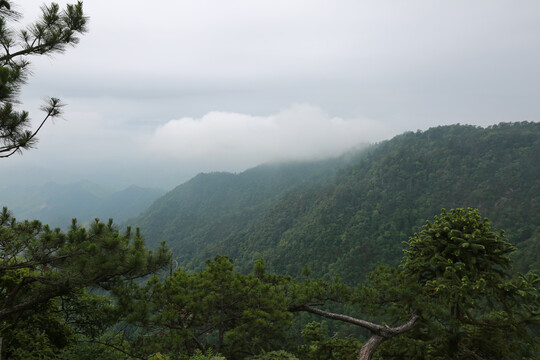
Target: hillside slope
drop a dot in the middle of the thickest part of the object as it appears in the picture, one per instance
(349, 222)
(362, 218)
(211, 207)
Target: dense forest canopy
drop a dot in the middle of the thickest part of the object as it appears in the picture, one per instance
(454, 293)
(353, 214)
(261, 259)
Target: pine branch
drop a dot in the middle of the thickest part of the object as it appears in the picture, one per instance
(53, 109)
(32, 264)
(44, 297)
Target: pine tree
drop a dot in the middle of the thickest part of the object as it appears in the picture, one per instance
(214, 311)
(454, 296)
(50, 34)
(58, 263)
(473, 306)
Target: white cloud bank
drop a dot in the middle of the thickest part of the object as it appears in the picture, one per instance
(238, 141)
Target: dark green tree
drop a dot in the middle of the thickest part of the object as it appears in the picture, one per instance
(472, 305)
(454, 295)
(214, 311)
(321, 347)
(44, 270)
(276, 355)
(50, 34)
(320, 297)
(61, 328)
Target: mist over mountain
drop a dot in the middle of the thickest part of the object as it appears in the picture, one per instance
(345, 217)
(286, 178)
(341, 215)
(214, 205)
(324, 224)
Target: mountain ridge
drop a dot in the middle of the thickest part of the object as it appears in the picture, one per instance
(348, 219)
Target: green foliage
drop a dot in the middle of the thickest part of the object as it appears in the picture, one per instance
(471, 304)
(458, 257)
(83, 349)
(196, 216)
(456, 275)
(50, 34)
(39, 334)
(198, 355)
(361, 219)
(61, 328)
(233, 314)
(44, 274)
(276, 355)
(159, 356)
(319, 347)
(59, 263)
(88, 314)
(359, 213)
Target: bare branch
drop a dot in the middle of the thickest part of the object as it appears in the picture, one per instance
(379, 333)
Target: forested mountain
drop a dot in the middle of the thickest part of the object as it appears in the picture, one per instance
(56, 204)
(211, 207)
(93, 290)
(344, 217)
(454, 294)
(362, 217)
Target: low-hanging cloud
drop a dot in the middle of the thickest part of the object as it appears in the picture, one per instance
(237, 141)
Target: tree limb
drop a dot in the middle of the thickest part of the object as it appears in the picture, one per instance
(379, 333)
(52, 110)
(32, 264)
(61, 290)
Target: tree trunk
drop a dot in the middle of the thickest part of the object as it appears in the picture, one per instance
(367, 351)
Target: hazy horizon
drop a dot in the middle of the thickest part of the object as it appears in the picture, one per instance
(158, 93)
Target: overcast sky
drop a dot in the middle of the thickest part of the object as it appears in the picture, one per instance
(159, 91)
